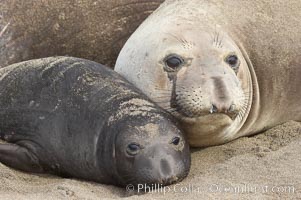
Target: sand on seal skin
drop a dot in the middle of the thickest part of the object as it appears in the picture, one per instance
(265, 166)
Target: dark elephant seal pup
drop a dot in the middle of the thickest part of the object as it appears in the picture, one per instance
(224, 68)
(76, 118)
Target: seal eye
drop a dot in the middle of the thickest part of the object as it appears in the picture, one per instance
(133, 149)
(175, 141)
(173, 62)
(233, 61)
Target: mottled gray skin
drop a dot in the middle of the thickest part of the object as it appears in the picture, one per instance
(217, 101)
(91, 29)
(76, 118)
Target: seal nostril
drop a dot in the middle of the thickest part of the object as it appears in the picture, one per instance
(232, 108)
(213, 109)
(165, 168)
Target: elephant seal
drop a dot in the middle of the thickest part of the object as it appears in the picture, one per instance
(76, 118)
(225, 69)
(91, 29)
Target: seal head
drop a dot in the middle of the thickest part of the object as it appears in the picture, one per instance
(148, 147)
(152, 153)
(199, 74)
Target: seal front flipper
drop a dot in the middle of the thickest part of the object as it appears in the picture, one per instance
(20, 158)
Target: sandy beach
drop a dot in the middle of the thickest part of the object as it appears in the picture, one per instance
(265, 166)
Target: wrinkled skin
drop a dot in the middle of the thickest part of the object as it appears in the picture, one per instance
(91, 29)
(76, 118)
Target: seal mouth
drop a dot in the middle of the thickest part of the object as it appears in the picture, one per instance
(192, 110)
(187, 115)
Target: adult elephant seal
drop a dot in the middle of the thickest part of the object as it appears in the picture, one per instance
(224, 68)
(91, 29)
(77, 118)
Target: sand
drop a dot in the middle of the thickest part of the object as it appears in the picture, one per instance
(265, 166)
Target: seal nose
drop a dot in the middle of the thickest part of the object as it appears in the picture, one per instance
(221, 98)
(164, 168)
(167, 175)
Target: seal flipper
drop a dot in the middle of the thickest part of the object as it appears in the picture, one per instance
(19, 158)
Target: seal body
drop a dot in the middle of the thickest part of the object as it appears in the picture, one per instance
(77, 118)
(91, 29)
(225, 69)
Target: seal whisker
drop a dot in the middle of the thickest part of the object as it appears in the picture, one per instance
(4, 29)
(157, 89)
(172, 110)
(162, 97)
(164, 92)
(217, 39)
(162, 100)
(181, 40)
